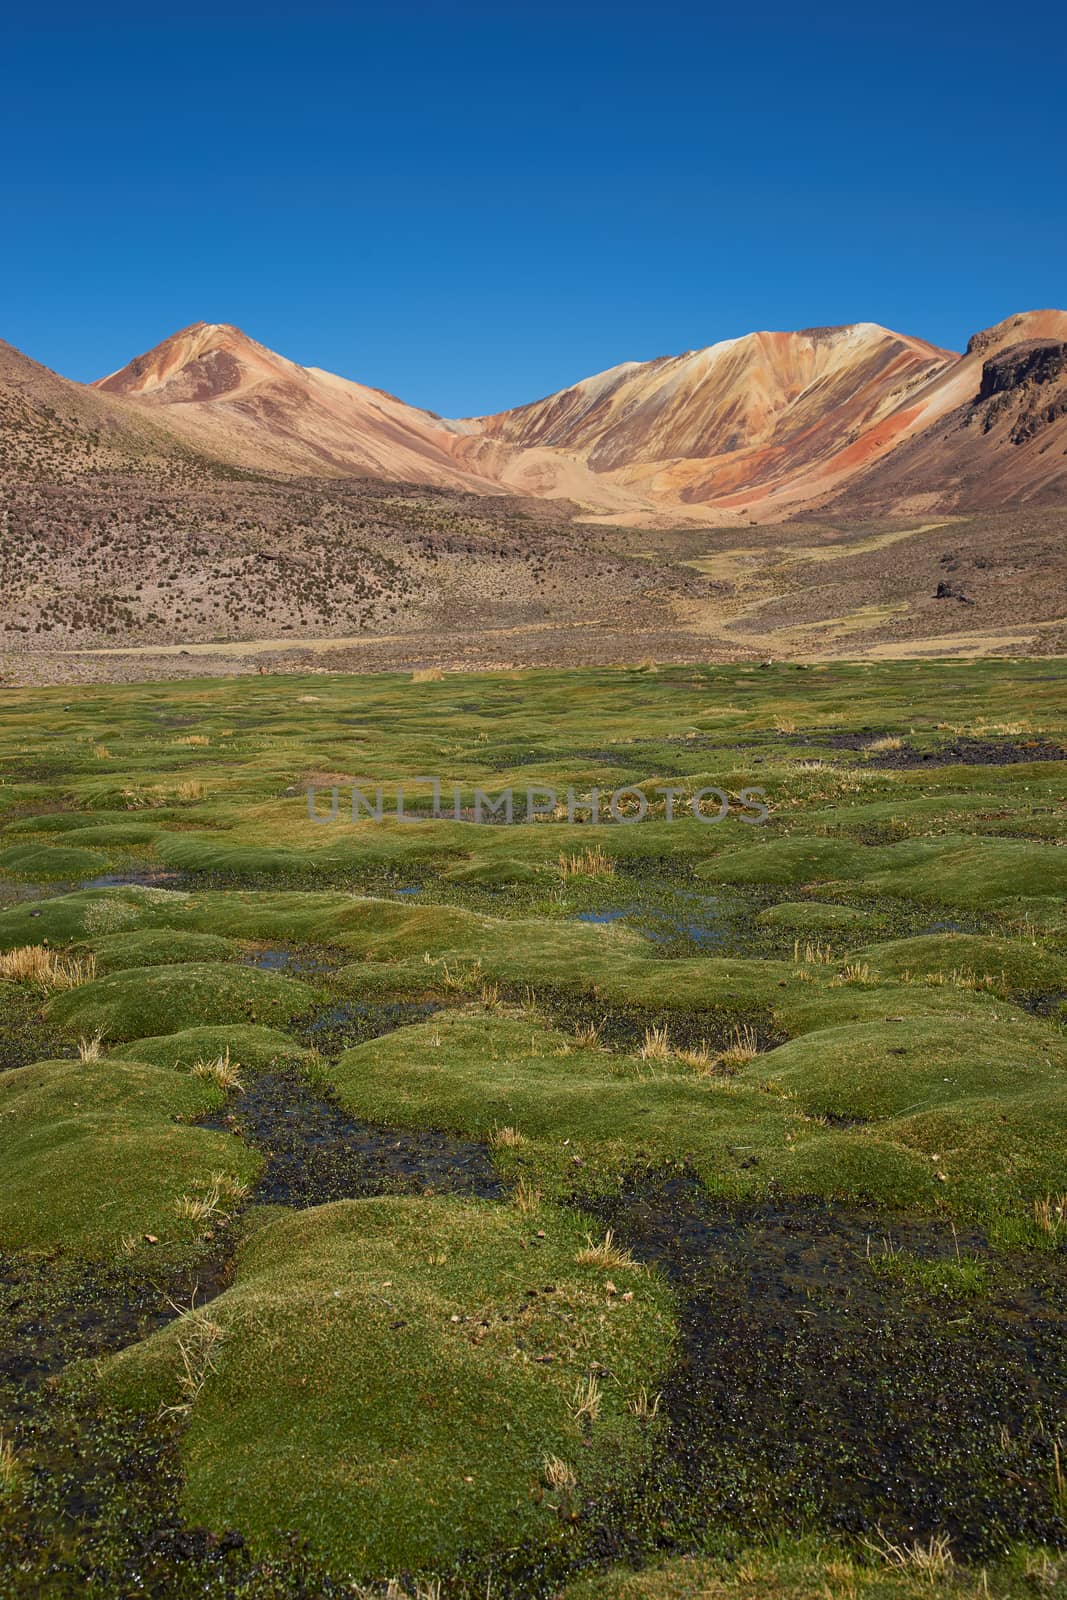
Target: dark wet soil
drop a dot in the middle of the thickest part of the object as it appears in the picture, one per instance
(26, 1035)
(317, 1153)
(346, 1023)
(624, 1028)
(960, 753)
(53, 1313)
(807, 1385)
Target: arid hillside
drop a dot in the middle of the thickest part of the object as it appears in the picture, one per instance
(756, 429)
(135, 540)
(766, 422)
(1000, 438)
(233, 398)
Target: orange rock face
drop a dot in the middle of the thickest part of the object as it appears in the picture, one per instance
(759, 427)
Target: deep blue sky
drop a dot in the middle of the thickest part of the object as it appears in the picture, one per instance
(472, 205)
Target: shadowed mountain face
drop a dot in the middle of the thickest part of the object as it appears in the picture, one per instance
(757, 428)
(1000, 434)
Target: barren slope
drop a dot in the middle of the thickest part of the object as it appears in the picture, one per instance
(999, 437)
(53, 431)
(752, 429)
(769, 417)
(236, 399)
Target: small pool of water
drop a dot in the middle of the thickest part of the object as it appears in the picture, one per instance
(683, 919)
(275, 958)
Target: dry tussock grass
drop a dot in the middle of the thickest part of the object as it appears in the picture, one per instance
(743, 1048)
(932, 1559)
(559, 1474)
(527, 1197)
(657, 1045)
(221, 1071)
(36, 963)
(505, 1137)
(890, 742)
(1050, 1215)
(592, 862)
(605, 1254)
(209, 1207)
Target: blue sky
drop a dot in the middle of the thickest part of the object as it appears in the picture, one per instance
(473, 205)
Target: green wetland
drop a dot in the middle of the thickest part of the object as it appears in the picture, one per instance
(641, 1210)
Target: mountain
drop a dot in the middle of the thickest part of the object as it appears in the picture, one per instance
(53, 431)
(213, 499)
(759, 428)
(998, 430)
(128, 522)
(233, 398)
(771, 420)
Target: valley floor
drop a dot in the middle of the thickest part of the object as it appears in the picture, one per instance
(379, 581)
(643, 1210)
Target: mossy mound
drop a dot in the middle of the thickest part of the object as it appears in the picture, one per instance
(45, 863)
(996, 1154)
(587, 1116)
(429, 1363)
(93, 1156)
(501, 871)
(249, 1046)
(201, 852)
(789, 861)
(113, 835)
(977, 872)
(145, 1001)
(59, 821)
(61, 919)
(1017, 965)
(157, 947)
(955, 870)
(865, 1071)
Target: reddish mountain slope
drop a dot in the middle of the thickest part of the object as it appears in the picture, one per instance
(765, 416)
(238, 400)
(756, 428)
(1000, 434)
